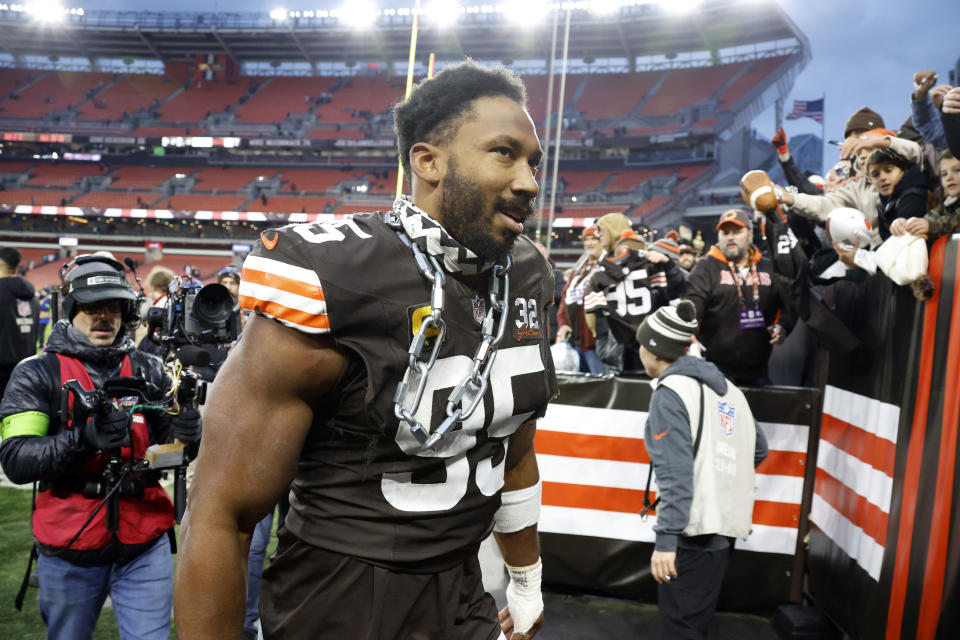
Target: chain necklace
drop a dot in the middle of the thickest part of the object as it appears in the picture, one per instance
(469, 392)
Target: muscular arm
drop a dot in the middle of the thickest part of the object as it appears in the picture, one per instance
(260, 410)
(521, 548)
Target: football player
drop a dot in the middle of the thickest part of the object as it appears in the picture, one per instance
(629, 285)
(391, 378)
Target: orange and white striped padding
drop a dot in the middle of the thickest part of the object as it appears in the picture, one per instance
(293, 295)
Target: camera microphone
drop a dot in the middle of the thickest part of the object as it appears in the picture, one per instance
(193, 355)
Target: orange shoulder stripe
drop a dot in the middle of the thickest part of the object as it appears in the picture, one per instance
(297, 287)
(282, 312)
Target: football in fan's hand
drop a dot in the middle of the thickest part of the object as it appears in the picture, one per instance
(758, 191)
(847, 227)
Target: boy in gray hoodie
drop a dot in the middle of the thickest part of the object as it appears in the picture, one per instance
(704, 445)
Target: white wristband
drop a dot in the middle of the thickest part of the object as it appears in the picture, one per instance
(518, 509)
(524, 595)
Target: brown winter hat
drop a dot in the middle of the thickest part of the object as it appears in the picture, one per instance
(865, 118)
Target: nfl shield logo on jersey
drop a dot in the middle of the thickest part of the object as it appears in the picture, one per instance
(23, 308)
(727, 412)
(479, 309)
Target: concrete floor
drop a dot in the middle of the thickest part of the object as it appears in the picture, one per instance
(579, 617)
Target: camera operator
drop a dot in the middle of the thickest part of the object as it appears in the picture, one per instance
(87, 551)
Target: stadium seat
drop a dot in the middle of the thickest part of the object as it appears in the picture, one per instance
(684, 87)
(362, 94)
(62, 174)
(626, 181)
(228, 179)
(129, 94)
(56, 90)
(106, 199)
(201, 99)
(609, 95)
(144, 177)
(37, 197)
(191, 202)
(282, 96)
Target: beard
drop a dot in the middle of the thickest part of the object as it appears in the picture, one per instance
(733, 253)
(463, 207)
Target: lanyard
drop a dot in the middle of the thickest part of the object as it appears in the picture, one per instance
(756, 285)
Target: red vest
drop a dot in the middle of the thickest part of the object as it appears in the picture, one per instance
(59, 513)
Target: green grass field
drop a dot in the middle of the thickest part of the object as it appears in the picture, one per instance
(15, 541)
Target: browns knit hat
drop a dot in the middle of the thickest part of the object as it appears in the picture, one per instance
(668, 331)
(863, 120)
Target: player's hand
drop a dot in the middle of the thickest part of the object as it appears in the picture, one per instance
(898, 227)
(506, 626)
(777, 334)
(951, 101)
(916, 226)
(663, 566)
(563, 333)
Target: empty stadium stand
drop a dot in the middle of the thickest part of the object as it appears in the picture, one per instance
(294, 204)
(143, 177)
(37, 197)
(189, 202)
(106, 200)
(201, 98)
(129, 94)
(361, 96)
(228, 179)
(54, 91)
(626, 181)
(63, 174)
(609, 95)
(684, 87)
(283, 96)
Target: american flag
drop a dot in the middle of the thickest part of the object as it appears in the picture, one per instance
(807, 109)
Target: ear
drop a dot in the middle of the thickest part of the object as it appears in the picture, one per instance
(426, 162)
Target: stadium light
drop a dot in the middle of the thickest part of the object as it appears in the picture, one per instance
(682, 6)
(279, 14)
(605, 7)
(443, 14)
(358, 14)
(524, 13)
(45, 10)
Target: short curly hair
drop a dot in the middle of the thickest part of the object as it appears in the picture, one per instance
(436, 105)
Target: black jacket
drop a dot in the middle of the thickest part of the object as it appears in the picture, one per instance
(741, 354)
(908, 200)
(951, 128)
(32, 387)
(19, 320)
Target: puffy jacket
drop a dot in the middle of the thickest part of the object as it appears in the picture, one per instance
(19, 320)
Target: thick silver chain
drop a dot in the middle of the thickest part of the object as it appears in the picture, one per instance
(470, 391)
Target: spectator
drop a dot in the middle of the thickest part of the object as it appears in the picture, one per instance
(610, 227)
(158, 282)
(794, 174)
(945, 218)
(858, 194)
(687, 259)
(629, 285)
(950, 118)
(19, 315)
(574, 324)
(559, 284)
(838, 176)
(737, 328)
(705, 482)
(901, 186)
